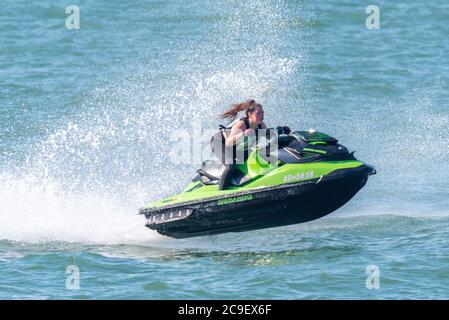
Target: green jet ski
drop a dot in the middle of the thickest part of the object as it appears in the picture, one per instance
(313, 175)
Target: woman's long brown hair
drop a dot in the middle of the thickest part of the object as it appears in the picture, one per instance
(247, 106)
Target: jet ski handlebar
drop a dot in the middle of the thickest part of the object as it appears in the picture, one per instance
(283, 130)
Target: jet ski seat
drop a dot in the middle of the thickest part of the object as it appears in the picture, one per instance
(212, 170)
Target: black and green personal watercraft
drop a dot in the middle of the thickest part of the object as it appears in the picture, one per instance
(312, 176)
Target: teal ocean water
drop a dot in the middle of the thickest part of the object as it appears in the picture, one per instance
(86, 125)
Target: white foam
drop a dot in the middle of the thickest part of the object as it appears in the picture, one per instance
(32, 211)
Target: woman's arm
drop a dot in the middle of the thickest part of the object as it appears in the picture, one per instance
(238, 131)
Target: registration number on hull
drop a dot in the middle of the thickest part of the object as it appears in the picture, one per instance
(299, 176)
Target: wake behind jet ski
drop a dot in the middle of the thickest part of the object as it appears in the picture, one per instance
(313, 175)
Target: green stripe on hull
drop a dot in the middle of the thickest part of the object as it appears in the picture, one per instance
(287, 173)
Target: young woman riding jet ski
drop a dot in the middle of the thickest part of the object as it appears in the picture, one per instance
(312, 175)
(245, 128)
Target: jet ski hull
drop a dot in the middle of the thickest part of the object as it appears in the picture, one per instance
(259, 208)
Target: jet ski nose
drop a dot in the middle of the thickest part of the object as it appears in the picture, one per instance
(371, 169)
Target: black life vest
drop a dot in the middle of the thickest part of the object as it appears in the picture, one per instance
(218, 142)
